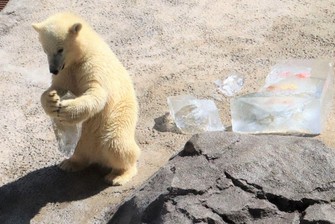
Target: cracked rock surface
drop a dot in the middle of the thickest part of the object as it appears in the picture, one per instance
(230, 178)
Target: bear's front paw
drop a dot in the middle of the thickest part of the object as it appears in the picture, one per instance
(69, 112)
(51, 103)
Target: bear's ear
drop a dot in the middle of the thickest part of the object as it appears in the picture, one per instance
(36, 26)
(75, 28)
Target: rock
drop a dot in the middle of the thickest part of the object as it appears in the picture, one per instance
(320, 213)
(224, 177)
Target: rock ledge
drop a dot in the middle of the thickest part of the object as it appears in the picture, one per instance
(229, 178)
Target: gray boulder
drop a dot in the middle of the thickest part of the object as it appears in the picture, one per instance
(230, 178)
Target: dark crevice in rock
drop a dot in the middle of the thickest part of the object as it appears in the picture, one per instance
(301, 216)
(211, 221)
(325, 187)
(258, 213)
(315, 222)
(208, 220)
(244, 185)
(224, 217)
(187, 214)
(282, 203)
(287, 205)
(210, 158)
(180, 192)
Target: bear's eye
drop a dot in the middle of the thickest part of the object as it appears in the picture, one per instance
(60, 51)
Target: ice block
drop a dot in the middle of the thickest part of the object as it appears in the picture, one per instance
(193, 116)
(67, 135)
(231, 85)
(295, 99)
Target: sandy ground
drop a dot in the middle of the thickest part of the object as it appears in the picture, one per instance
(170, 47)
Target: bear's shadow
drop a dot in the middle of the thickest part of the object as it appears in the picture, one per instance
(22, 199)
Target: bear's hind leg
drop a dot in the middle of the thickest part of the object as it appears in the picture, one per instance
(123, 156)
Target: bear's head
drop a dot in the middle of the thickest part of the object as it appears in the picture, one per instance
(59, 36)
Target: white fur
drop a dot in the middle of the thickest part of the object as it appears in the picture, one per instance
(105, 102)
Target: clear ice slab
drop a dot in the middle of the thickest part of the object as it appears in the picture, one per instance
(295, 99)
(231, 85)
(193, 116)
(67, 135)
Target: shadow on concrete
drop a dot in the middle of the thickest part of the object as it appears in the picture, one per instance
(22, 199)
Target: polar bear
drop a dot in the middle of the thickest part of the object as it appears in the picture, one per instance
(82, 63)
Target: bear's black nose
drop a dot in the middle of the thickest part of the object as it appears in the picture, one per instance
(53, 71)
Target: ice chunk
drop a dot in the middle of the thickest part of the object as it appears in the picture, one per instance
(295, 99)
(286, 69)
(231, 85)
(267, 113)
(193, 116)
(66, 135)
